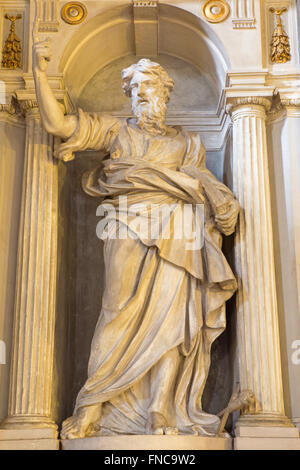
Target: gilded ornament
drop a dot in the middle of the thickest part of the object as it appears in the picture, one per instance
(280, 46)
(12, 48)
(215, 11)
(74, 13)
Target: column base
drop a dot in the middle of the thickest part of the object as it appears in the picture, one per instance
(266, 443)
(29, 439)
(28, 422)
(296, 422)
(28, 432)
(266, 432)
(266, 420)
(148, 442)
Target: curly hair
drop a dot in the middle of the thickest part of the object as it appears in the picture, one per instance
(154, 71)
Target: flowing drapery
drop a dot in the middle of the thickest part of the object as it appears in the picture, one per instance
(158, 295)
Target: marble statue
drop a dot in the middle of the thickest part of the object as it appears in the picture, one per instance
(163, 305)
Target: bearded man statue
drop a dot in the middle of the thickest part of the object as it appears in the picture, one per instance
(163, 304)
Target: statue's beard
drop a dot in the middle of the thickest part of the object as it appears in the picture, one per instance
(151, 115)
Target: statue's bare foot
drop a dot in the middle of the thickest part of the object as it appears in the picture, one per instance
(159, 425)
(82, 424)
(225, 434)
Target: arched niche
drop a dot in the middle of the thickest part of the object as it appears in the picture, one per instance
(91, 65)
(110, 36)
(193, 90)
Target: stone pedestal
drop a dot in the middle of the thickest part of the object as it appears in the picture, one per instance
(28, 439)
(266, 438)
(148, 443)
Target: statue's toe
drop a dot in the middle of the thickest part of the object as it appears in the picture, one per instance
(159, 430)
(72, 428)
(93, 429)
(171, 431)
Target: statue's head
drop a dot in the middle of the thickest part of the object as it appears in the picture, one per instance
(149, 87)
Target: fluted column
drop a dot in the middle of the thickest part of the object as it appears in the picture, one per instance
(33, 340)
(257, 316)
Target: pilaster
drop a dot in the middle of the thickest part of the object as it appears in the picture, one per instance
(29, 419)
(257, 314)
(283, 136)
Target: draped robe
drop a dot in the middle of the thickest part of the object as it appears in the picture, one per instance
(158, 295)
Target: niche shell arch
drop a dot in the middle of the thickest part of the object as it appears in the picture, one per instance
(110, 36)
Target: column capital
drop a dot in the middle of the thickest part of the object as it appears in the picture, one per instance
(8, 108)
(10, 112)
(291, 104)
(19, 107)
(243, 103)
(57, 86)
(29, 106)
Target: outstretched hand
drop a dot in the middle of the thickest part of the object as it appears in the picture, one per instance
(41, 54)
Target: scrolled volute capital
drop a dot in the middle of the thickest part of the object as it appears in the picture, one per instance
(238, 103)
(290, 102)
(10, 106)
(7, 108)
(29, 106)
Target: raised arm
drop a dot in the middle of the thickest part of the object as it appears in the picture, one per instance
(54, 120)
